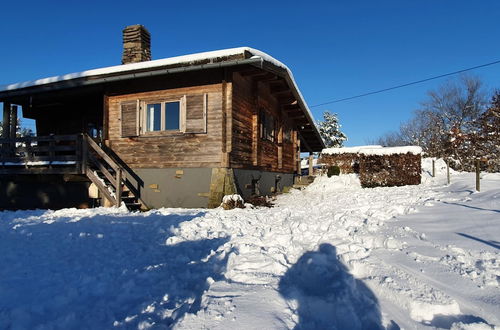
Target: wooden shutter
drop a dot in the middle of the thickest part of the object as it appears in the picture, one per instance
(196, 113)
(129, 118)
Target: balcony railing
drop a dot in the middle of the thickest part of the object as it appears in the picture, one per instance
(53, 154)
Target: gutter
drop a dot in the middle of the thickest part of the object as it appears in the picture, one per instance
(86, 81)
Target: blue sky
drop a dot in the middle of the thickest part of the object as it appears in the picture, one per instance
(335, 49)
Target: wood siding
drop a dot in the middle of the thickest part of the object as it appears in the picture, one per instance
(249, 150)
(171, 149)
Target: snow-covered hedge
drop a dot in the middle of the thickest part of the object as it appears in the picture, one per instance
(390, 170)
(376, 165)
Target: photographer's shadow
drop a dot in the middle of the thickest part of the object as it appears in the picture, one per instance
(328, 297)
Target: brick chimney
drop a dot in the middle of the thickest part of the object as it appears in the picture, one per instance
(136, 44)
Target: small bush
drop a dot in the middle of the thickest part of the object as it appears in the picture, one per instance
(230, 202)
(333, 170)
(260, 201)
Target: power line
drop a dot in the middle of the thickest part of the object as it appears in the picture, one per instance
(404, 85)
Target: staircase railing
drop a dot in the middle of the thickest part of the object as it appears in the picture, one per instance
(101, 161)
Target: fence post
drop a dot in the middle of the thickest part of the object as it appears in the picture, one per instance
(478, 171)
(433, 168)
(448, 170)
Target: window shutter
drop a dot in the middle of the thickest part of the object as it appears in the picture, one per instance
(129, 118)
(196, 113)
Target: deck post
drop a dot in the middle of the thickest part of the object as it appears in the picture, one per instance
(5, 128)
(83, 154)
(311, 167)
(6, 120)
(118, 187)
(13, 122)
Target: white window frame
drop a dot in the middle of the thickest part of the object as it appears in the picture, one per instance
(144, 115)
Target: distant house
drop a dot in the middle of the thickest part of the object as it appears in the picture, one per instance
(174, 132)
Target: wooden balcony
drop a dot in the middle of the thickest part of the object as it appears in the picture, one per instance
(54, 154)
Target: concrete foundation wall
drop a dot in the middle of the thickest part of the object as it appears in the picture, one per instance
(260, 182)
(191, 187)
(175, 187)
(22, 192)
(166, 187)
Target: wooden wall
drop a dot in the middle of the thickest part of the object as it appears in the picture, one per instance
(248, 149)
(174, 149)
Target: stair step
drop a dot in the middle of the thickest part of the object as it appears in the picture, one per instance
(133, 206)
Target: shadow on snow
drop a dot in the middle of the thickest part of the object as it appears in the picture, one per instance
(494, 244)
(328, 297)
(102, 271)
(446, 321)
(472, 207)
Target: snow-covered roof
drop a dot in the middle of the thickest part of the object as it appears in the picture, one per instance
(374, 150)
(155, 64)
(415, 150)
(231, 56)
(347, 150)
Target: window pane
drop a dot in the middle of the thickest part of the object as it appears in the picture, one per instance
(262, 124)
(153, 120)
(269, 128)
(172, 115)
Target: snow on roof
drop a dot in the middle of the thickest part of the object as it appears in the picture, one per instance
(415, 150)
(374, 150)
(347, 150)
(145, 65)
(158, 64)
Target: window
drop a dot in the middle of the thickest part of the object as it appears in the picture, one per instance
(186, 114)
(267, 126)
(164, 116)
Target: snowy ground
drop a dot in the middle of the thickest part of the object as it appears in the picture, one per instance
(333, 256)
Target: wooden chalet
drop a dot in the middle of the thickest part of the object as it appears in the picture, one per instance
(174, 132)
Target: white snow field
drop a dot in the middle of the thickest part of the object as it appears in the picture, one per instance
(332, 256)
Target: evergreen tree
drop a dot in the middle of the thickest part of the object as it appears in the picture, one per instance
(329, 129)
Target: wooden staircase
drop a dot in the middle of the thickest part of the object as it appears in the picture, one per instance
(108, 175)
(71, 154)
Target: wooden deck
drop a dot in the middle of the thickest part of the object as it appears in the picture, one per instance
(54, 154)
(68, 154)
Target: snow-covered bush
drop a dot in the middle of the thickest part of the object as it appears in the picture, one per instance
(230, 202)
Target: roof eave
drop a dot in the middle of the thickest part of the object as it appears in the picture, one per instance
(87, 81)
(285, 73)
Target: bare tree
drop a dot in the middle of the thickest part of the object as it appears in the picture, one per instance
(445, 121)
(487, 137)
